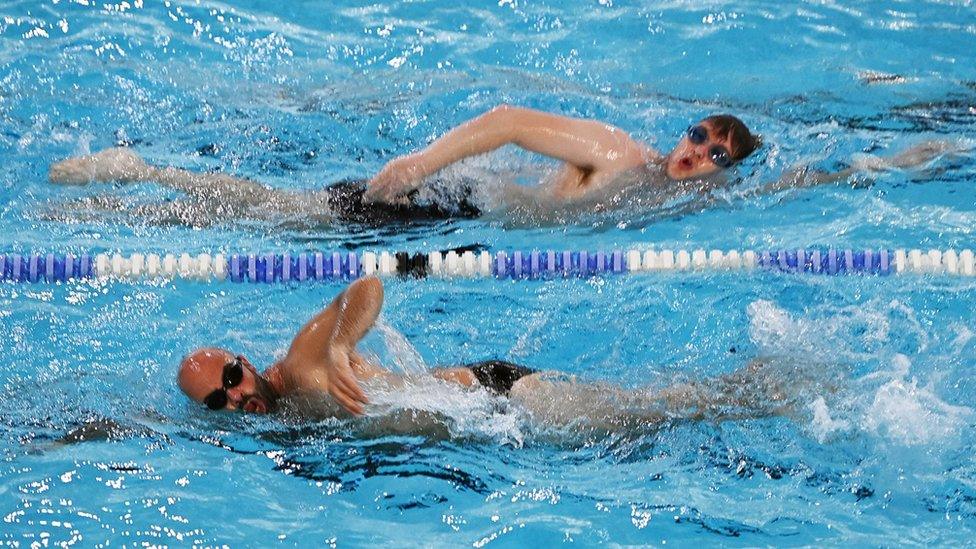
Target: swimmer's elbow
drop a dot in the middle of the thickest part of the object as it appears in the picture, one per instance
(374, 286)
(367, 293)
(502, 118)
(502, 110)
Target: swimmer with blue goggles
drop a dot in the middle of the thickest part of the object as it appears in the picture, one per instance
(596, 158)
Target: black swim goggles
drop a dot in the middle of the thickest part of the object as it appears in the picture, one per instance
(718, 153)
(232, 376)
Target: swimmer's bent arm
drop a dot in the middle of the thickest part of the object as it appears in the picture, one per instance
(322, 355)
(588, 145)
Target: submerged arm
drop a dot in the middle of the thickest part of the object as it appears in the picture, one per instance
(321, 353)
(586, 144)
(804, 176)
(912, 157)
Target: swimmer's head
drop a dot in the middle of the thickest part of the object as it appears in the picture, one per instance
(712, 145)
(224, 381)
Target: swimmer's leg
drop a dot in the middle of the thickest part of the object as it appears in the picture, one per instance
(751, 392)
(558, 400)
(461, 376)
(756, 391)
(98, 208)
(766, 387)
(116, 165)
(121, 165)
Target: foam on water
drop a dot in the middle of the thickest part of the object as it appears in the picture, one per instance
(468, 414)
(892, 405)
(879, 450)
(905, 412)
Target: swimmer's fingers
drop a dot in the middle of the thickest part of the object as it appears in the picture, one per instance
(381, 187)
(377, 190)
(340, 371)
(345, 387)
(346, 395)
(396, 179)
(347, 383)
(385, 190)
(350, 404)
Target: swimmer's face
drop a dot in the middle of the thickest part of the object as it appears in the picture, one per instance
(699, 154)
(223, 381)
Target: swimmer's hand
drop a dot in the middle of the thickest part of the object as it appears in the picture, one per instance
(924, 152)
(344, 386)
(333, 375)
(108, 166)
(396, 179)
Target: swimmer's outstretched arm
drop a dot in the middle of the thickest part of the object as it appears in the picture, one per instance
(804, 176)
(323, 354)
(586, 145)
(912, 157)
(122, 165)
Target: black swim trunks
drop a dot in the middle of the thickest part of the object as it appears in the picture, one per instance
(347, 204)
(498, 376)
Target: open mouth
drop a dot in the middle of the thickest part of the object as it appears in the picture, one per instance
(685, 163)
(256, 405)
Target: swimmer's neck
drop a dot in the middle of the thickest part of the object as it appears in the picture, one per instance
(273, 376)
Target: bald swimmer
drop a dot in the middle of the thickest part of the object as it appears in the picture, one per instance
(322, 359)
(322, 363)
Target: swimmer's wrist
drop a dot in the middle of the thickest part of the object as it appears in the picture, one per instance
(338, 351)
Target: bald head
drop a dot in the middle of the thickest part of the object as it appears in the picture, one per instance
(201, 371)
(230, 381)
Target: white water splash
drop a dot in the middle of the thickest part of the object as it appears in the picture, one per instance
(400, 351)
(465, 412)
(855, 332)
(890, 404)
(904, 412)
(822, 425)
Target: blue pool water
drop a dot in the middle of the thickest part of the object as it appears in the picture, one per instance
(309, 93)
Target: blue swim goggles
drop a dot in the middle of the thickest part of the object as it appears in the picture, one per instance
(718, 153)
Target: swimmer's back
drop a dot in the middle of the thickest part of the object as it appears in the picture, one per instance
(348, 206)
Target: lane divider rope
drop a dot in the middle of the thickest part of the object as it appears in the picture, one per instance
(518, 265)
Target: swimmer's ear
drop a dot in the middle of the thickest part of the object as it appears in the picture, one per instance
(759, 154)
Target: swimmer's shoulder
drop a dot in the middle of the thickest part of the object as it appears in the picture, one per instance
(650, 154)
(644, 164)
